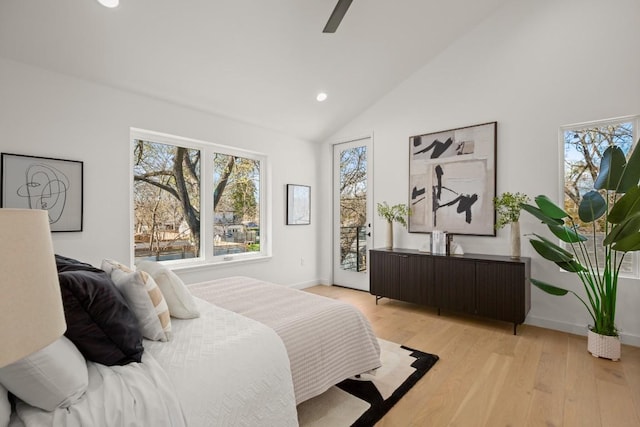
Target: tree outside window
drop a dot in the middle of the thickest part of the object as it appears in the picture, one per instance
(236, 204)
(353, 208)
(166, 191)
(583, 149)
(167, 188)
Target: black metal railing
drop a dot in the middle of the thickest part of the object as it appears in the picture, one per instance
(353, 248)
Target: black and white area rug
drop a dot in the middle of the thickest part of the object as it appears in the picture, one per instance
(364, 401)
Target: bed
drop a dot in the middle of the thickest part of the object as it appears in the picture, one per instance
(228, 352)
(140, 350)
(206, 375)
(327, 340)
(212, 364)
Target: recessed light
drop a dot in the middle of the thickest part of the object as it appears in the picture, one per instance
(109, 3)
(321, 96)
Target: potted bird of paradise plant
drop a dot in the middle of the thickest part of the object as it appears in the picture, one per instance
(614, 201)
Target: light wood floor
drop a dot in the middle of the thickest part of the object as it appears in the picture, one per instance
(486, 376)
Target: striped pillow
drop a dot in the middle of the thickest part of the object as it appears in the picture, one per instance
(109, 265)
(179, 299)
(144, 298)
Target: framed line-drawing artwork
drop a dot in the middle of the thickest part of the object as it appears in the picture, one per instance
(452, 180)
(55, 185)
(298, 204)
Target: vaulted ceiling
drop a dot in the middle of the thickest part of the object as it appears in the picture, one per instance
(259, 61)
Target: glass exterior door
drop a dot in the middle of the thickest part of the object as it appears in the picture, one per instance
(352, 213)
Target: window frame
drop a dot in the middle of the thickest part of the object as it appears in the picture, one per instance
(208, 149)
(635, 120)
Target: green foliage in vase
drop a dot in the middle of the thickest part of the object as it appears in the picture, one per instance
(396, 213)
(508, 207)
(614, 198)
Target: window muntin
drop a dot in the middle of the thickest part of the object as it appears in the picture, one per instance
(177, 181)
(583, 147)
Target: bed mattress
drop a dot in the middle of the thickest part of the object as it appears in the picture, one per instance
(327, 340)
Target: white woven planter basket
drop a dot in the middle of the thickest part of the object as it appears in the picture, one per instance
(603, 346)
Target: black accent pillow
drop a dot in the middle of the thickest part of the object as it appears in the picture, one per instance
(69, 264)
(99, 321)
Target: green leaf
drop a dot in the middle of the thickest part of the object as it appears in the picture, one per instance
(508, 206)
(393, 213)
(628, 244)
(541, 215)
(550, 289)
(566, 234)
(592, 206)
(572, 267)
(631, 175)
(550, 251)
(628, 204)
(549, 208)
(621, 231)
(611, 167)
(554, 246)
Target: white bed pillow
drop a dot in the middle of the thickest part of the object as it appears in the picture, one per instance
(54, 377)
(179, 299)
(144, 298)
(5, 407)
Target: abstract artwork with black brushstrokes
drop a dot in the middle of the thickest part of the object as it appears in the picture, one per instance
(452, 180)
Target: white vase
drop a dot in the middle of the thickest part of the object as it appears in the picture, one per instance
(604, 346)
(515, 240)
(389, 244)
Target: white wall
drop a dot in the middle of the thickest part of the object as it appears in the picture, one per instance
(51, 115)
(533, 66)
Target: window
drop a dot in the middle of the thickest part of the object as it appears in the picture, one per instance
(353, 208)
(583, 146)
(166, 200)
(236, 204)
(196, 201)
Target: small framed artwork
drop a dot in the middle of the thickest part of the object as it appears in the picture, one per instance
(298, 204)
(452, 181)
(54, 185)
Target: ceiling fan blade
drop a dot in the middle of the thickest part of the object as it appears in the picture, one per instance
(336, 16)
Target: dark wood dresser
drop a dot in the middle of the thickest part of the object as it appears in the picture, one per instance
(491, 286)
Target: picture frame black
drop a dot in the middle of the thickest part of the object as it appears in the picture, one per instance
(298, 204)
(54, 185)
(452, 180)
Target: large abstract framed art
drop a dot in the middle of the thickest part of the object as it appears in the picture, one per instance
(452, 181)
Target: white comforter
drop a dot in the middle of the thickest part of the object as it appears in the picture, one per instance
(137, 394)
(221, 369)
(228, 370)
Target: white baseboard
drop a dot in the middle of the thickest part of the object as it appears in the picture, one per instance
(571, 328)
(304, 285)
